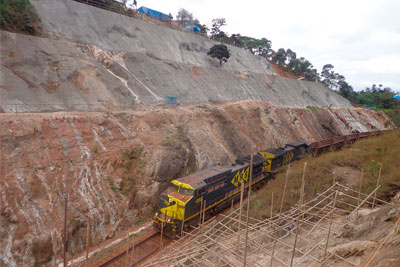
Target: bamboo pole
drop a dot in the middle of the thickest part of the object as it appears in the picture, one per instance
(204, 211)
(330, 225)
(359, 191)
(87, 241)
(377, 183)
(299, 213)
(161, 239)
(133, 248)
(201, 210)
(66, 214)
(54, 225)
(127, 251)
(284, 190)
(280, 212)
(334, 177)
(183, 222)
(383, 242)
(272, 205)
(240, 214)
(248, 209)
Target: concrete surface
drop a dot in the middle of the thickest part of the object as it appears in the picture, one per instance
(97, 59)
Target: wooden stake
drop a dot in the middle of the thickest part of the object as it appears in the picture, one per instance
(272, 204)
(204, 211)
(87, 240)
(55, 225)
(334, 178)
(284, 190)
(133, 247)
(66, 214)
(299, 213)
(240, 213)
(330, 225)
(161, 243)
(127, 251)
(359, 192)
(248, 209)
(201, 210)
(183, 222)
(377, 183)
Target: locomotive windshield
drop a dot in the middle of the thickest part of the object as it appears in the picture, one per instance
(186, 191)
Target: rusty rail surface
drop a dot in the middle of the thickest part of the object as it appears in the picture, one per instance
(122, 254)
(337, 141)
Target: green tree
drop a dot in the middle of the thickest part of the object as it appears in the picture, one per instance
(219, 51)
(203, 28)
(216, 26)
(185, 18)
(18, 15)
(280, 57)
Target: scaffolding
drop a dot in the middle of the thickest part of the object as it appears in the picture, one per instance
(300, 236)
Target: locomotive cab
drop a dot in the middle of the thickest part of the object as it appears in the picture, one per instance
(172, 206)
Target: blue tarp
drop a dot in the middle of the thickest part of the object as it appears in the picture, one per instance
(153, 13)
(193, 28)
(397, 97)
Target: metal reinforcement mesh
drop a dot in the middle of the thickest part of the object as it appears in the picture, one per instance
(297, 237)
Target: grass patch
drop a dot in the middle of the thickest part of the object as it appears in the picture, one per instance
(176, 140)
(394, 115)
(133, 164)
(365, 154)
(312, 107)
(130, 170)
(18, 16)
(203, 106)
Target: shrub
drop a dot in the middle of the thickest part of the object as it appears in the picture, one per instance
(18, 15)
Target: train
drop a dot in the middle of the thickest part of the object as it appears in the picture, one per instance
(213, 189)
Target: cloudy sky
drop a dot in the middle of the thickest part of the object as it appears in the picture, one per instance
(361, 38)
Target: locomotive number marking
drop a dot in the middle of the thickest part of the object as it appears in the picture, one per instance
(267, 165)
(240, 176)
(288, 157)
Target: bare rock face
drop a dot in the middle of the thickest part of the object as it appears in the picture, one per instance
(120, 162)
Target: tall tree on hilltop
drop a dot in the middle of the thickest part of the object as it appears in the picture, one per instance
(216, 26)
(185, 18)
(280, 57)
(219, 51)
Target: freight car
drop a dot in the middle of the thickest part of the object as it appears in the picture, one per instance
(214, 189)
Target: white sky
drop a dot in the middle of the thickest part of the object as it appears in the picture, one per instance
(361, 38)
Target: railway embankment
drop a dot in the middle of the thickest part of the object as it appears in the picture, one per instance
(361, 163)
(121, 161)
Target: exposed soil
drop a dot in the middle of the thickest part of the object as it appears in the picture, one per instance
(282, 72)
(121, 161)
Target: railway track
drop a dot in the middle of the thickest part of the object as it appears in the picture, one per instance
(139, 252)
(148, 246)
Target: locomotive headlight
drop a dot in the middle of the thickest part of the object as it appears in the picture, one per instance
(157, 214)
(169, 219)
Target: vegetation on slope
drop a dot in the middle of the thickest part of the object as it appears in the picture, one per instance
(19, 16)
(365, 154)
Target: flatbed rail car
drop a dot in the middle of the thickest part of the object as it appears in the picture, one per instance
(213, 189)
(340, 141)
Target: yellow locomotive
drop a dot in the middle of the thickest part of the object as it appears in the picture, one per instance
(213, 189)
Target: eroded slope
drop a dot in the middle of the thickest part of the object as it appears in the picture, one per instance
(120, 162)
